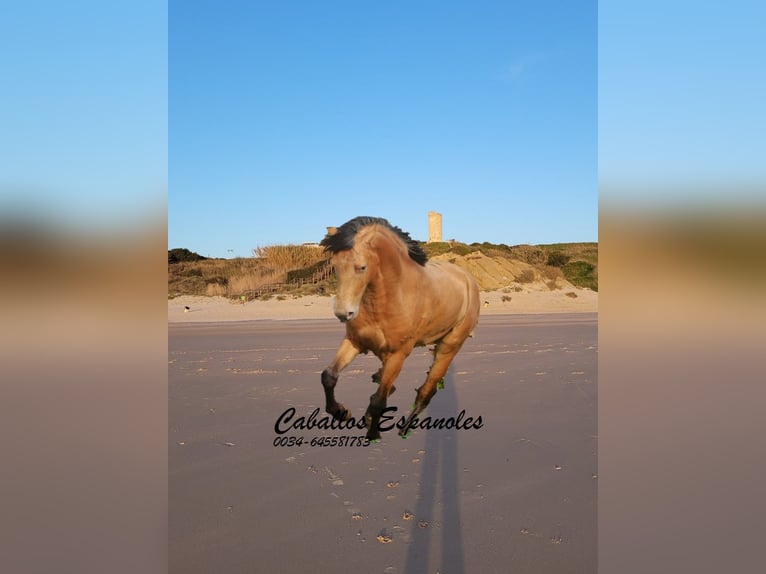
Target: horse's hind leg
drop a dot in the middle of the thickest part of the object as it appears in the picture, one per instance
(443, 355)
(345, 354)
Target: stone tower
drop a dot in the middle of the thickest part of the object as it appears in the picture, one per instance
(434, 226)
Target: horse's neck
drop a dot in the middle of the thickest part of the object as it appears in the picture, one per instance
(395, 273)
(388, 278)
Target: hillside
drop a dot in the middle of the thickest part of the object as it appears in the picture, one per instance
(304, 270)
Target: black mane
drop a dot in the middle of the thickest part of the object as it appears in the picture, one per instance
(343, 238)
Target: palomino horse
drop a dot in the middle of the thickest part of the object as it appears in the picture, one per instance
(392, 299)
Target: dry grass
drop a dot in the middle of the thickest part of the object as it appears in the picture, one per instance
(289, 257)
(234, 277)
(526, 276)
(223, 277)
(552, 273)
(252, 281)
(531, 254)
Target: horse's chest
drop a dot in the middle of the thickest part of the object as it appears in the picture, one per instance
(372, 338)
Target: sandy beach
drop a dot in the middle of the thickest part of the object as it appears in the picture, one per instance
(517, 494)
(220, 309)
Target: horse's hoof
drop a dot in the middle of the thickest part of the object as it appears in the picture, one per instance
(341, 414)
(373, 436)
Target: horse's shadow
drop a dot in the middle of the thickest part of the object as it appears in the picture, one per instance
(440, 473)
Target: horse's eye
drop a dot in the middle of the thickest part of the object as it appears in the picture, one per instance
(361, 268)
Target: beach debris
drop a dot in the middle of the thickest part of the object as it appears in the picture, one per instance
(334, 478)
(356, 516)
(415, 460)
(187, 308)
(557, 467)
(422, 524)
(384, 538)
(392, 483)
(229, 444)
(181, 443)
(408, 515)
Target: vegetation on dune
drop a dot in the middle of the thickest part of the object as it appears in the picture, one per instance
(296, 270)
(180, 254)
(268, 271)
(290, 257)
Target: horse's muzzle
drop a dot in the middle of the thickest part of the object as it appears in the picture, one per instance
(345, 316)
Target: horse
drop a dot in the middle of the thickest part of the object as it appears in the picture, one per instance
(392, 299)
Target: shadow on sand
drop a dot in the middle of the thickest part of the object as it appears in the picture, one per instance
(440, 480)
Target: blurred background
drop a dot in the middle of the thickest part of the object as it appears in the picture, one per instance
(83, 188)
(83, 347)
(682, 238)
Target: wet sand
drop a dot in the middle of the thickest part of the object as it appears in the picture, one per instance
(517, 495)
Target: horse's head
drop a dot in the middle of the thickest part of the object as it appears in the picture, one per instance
(360, 248)
(354, 268)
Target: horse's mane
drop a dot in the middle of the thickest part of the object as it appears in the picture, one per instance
(343, 238)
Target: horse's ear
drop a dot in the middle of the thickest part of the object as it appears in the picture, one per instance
(332, 231)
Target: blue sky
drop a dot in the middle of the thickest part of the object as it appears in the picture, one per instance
(287, 117)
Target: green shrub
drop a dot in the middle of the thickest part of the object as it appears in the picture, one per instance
(581, 274)
(179, 255)
(557, 259)
(460, 249)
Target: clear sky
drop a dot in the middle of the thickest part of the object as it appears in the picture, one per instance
(287, 117)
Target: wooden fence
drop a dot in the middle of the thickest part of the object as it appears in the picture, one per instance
(320, 275)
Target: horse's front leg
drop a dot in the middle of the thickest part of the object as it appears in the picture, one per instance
(346, 353)
(392, 366)
(443, 355)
